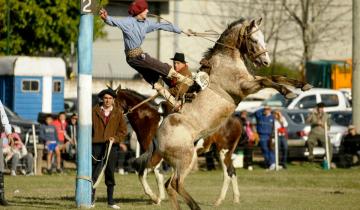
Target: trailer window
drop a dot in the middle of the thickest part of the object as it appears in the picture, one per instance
(57, 86)
(30, 86)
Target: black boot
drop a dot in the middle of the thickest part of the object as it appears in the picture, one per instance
(93, 197)
(110, 193)
(3, 202)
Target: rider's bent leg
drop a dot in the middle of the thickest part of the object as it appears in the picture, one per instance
(180, 78)
(167, 95)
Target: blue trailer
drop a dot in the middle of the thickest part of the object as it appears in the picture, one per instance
(29, 85)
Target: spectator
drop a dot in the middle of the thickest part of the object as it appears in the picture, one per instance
(317, 120)
(4, 127)
(108, 125)
(61, 125)
(350, 148)
(18, 152)
(281, 128)
(264, 127)
(71, 132)
(49, 135)
(250, 141)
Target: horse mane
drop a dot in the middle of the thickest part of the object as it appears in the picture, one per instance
(205, 65)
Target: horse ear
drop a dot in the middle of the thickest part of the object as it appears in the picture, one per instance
(251, 25)
(258, 21)
(118, 88)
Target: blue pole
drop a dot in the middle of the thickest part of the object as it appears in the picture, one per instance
(83, 181)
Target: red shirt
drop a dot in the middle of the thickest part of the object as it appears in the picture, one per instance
(60, 129)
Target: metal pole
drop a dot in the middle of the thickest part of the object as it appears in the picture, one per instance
(327, 144)
(276, 136)
(356, 66)
(35, 149)
(83, 179)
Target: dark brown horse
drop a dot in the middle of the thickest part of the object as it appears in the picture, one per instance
(144, 121)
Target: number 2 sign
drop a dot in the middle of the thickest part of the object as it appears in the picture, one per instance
(87, 6)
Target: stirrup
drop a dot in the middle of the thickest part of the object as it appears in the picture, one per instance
(202, 79)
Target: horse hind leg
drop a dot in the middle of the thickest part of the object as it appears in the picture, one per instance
(296, 83)
(178, 182)
(172, 192)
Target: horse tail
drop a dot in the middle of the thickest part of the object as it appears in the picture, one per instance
(142, 162)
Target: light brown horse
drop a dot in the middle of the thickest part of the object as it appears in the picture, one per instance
(230, 82)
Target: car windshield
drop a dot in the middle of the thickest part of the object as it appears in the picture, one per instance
(277, 100)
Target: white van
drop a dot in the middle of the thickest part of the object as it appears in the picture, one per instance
(334, 100)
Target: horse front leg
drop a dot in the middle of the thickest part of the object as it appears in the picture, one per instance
(260, 83)
(147, 190)
(160, 180)
(293, 82)
(226, 180)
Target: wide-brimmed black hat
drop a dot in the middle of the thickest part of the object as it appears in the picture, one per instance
(179, 57)
(107, 91)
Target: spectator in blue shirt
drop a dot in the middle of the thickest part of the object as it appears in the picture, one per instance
(264, 127)
(134, 29)
(49, 135)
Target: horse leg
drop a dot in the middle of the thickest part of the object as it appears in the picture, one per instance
(160, 180)
(226, 180)
(263, 82)
(296, 83)
(178, 182)
(147, 190)
(172, 192)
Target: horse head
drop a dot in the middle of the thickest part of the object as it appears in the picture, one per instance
(254, 43)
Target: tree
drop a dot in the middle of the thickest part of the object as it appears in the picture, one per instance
(318, 21)
(42, 27)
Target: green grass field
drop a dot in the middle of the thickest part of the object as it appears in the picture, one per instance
(300, 187)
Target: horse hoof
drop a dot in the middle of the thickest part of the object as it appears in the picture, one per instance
(217, 203)
(290, 95)
(157, 201)
(306, 87)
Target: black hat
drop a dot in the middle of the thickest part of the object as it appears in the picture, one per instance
(320, 105)
(179, 57)
(107, 91)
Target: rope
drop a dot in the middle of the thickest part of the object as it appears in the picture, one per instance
(141, 103)
(104, 167)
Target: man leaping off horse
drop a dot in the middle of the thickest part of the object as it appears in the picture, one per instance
(134, 28)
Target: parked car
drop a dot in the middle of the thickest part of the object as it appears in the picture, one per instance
(334, 100)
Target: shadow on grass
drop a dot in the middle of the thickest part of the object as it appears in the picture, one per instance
(40, 202)
(117, 200)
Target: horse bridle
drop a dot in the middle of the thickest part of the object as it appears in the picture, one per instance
(245, 37)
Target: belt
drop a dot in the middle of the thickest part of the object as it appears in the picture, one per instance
(133, 53)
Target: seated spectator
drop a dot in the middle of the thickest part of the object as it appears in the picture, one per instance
(49, 135)
(249, 140)
(71, 133)
(18, 152)
(350, 148)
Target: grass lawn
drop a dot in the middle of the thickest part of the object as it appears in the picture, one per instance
(304, 186)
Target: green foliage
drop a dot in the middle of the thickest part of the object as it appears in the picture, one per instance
(279, 69)
(42, 27)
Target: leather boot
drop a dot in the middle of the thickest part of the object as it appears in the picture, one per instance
(167, 95)
(110, 194)
(180, 78)
(3, 202)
